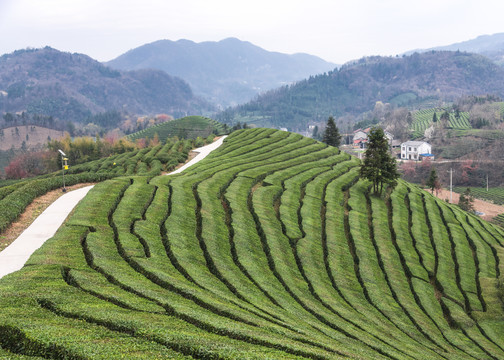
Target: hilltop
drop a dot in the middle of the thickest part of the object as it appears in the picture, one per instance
(271, 247)
(189, 127)
(491, 46)
(418, 80)
(72, 87)
(227, 72)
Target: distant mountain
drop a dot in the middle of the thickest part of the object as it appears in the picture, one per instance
(492, 46)
(355, 88)
(227, 72)
(74, 86)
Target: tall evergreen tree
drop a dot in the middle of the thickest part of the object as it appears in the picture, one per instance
(466, 201)
(331, 134)
(433, 181)
(379, 166)
(315, 133)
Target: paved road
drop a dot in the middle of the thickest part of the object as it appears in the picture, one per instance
(202, 153)
(13, 257)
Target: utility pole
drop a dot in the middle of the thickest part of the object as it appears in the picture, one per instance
(487, 182)
(451, 184)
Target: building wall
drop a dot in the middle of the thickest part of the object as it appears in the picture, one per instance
(412, 152)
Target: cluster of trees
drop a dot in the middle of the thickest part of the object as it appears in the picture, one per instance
(78, 150)
(83, 149)
(237, 126)
(30, 164)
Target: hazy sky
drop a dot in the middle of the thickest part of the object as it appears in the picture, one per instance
(335, 30)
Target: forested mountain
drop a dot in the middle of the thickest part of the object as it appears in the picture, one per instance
(356, 87)
(492, 46)
(74, 86)
(227, 72)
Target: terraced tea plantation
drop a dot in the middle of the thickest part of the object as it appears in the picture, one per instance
(270, 248)
(150, 161)
(422, 119)
(189, 127)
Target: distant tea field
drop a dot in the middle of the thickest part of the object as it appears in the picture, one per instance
(272, 247)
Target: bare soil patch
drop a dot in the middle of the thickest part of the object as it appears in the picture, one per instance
(31, 212)
(490, 210)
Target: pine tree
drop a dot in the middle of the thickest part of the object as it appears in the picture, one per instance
(434, 118)
(379, 166)
(331, 134)
(466, 201)
(433, 182)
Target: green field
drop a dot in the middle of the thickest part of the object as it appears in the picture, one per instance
(189, 127)
(269, 248)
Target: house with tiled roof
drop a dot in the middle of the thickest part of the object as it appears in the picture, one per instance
(360, 137)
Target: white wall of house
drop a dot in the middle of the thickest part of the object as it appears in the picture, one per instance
(411, 150)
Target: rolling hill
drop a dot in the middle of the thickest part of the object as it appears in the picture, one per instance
(189, 127)
(415, 81)
(72, 87)
(227, 72)
(271, 247)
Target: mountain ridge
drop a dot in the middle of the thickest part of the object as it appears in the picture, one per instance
(491, 46)
(232, 70)
(355, 88)
(74, 86)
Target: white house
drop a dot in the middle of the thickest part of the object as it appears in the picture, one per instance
(416, 150)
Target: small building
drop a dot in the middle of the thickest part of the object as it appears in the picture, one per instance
(360, 137)
(396, 144)
(416, 150)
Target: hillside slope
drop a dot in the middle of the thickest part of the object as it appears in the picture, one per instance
(74, 86)
(226, 72)
(27, 136)
(271, 247)
(356, 87)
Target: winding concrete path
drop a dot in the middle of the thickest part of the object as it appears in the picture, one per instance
(13, 257)
(202, 153)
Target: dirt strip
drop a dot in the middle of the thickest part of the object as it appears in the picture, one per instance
(490, 210)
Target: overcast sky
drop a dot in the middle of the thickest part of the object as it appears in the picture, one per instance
(335, 30)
